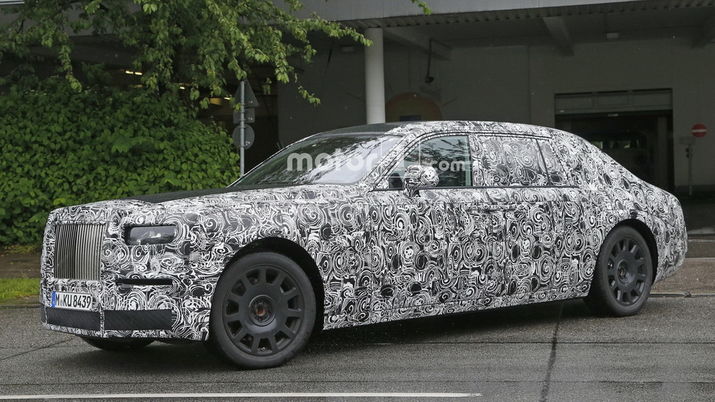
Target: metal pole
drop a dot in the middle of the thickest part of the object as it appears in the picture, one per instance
(374, 77)
(690, 170)
(242, 163)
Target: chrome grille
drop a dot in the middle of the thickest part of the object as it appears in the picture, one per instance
(77, 250)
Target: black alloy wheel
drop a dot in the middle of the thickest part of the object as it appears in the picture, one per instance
(263, 311)
(623, 276)
(626, 271)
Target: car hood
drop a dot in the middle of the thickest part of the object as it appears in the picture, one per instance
(203, 201)
(227, 197)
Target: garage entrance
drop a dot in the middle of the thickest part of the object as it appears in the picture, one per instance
(634, 127)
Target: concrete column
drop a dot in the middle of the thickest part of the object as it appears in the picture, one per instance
(661, 160)
(374, 77)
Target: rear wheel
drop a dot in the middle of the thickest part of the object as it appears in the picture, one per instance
(263, 311)
(623, 276)
(117, 344)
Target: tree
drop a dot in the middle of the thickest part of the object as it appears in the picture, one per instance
(194, 44)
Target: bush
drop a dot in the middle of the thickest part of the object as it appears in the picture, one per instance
(61, 147)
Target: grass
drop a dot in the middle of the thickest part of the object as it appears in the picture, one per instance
(15, 288)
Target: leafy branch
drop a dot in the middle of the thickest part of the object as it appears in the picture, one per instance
(201, 45)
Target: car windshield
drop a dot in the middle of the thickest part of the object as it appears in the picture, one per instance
(322, 159)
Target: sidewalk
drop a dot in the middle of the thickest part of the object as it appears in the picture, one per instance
(26, 265)
(696, 277)
(699, 212)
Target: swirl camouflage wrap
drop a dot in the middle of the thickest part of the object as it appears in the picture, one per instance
(526, 226)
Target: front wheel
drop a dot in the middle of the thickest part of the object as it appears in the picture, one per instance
(117, 344)
(623, 276)
(263, 311)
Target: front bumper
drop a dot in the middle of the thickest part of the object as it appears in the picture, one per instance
(174, 311)
(146, 291)
(121, 311)
(150, 322)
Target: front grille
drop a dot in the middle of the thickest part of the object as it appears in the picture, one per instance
(77, 251)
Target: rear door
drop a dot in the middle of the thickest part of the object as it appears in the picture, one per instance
(521, 196)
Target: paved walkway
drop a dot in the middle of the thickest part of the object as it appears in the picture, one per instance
(20, 265)
(699, 217)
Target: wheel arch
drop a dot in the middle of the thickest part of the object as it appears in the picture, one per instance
(298, 254)
(649, 237)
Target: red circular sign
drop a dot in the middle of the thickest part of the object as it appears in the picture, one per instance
(699, 130)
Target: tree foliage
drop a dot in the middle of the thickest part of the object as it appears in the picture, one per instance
(195, 44)
(60, 146)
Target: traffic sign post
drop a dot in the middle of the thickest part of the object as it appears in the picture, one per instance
(243, 127)
(698, 130)
(689, 151)
(243, 135)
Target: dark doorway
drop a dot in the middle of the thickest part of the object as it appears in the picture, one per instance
(640, 141)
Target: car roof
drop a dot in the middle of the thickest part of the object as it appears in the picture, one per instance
(424, 127)
(379, 128)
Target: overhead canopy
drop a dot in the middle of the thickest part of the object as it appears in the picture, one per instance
(507, 22)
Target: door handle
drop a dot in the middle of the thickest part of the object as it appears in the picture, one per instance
(490, 208)
(485, 208)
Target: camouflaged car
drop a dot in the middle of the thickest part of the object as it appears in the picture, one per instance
(362, 225)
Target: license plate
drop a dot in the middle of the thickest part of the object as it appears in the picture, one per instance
(72, 301)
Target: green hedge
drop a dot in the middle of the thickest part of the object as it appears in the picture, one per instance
(60, 147)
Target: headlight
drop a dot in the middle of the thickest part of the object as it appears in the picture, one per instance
(150, 234)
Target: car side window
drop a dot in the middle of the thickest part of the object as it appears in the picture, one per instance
(502, 161)
(449, 155)
(557, 176)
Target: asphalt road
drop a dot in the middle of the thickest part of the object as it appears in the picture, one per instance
(555, 351)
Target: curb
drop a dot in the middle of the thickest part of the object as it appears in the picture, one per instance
(703, 231)
(17, 306)
(682, 294)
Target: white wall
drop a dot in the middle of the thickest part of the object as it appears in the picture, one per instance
(518, 84)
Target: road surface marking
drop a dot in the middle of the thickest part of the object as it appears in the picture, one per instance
(250, 395)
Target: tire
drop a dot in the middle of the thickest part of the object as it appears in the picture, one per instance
(263, 311)
(623, 276)
(117, 344)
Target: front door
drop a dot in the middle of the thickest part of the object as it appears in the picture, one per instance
(476, 254)
(413, 233)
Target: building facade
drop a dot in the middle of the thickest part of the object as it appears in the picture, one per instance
(633, 77)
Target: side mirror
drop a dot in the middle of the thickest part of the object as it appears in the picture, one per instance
(419, 176)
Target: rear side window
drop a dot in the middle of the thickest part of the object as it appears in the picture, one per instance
(502, 161)
(557, 176)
